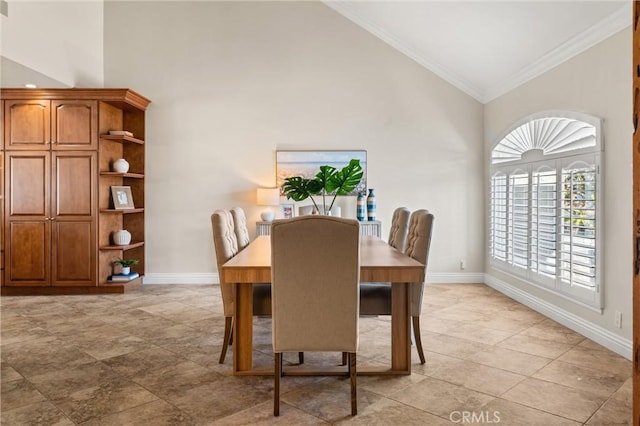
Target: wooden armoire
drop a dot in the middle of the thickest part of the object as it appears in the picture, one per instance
(57, 214)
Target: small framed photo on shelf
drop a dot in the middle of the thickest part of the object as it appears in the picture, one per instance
(287, 210)
(121, 197)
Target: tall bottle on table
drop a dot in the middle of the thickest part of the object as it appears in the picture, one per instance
(371, 205)
(361, 207)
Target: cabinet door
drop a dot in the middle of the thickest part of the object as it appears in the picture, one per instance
(27, 124)
(74, 125)
(28, 228)
(74, 212)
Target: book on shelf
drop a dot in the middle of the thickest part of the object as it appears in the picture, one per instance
(117, 278)
(120, 133)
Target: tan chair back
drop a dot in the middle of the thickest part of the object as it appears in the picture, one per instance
(240, 227)
(399, 228)
(418, 243)
(315, 271)
(226, 246)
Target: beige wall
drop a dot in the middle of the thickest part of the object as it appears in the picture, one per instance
(597, 82)
(233, 82)
(60, 39)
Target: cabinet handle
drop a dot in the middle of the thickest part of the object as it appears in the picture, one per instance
(636, 259)
(636, 264)
(635, 110)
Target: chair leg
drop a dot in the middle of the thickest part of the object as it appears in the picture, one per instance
(354, 389)
(281, 364)
(276, 382)
(301, 357)
(226, 340)
(416, 335)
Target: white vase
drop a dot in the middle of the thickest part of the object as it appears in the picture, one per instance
(126, 270)
(122, 237)
(121, 166)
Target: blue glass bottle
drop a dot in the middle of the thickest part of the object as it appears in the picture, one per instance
(371, 205)
(361, 207)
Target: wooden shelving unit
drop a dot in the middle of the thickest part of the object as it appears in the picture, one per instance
(132, 149)
(69, 129)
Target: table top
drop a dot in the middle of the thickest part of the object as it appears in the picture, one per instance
(378, 262)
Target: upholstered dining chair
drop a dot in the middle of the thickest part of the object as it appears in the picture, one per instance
(315, 270)
(226, 246)
(240, 227)
(399, 228)
(375, 298)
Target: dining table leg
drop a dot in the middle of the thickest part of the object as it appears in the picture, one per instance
(400, 330)
(243, 328)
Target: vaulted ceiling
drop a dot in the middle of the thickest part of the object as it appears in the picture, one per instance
(486, 48)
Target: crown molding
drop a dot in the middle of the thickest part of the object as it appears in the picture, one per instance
(609, 26)
(604, 29)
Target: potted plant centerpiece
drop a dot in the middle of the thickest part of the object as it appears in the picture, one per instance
(126, 265)
(329, 181)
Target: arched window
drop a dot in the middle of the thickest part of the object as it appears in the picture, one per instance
(546, 204)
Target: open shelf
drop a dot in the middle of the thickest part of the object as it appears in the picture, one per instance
(127, 247)
(124, 211)
(118, 174)
(122, 138)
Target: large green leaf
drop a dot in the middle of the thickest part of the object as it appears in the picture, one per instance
(297, 188)
(346, 180)
(324, 176)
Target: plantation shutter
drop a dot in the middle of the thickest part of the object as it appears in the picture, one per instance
(545, 204)
(543, 253)
(498, 225)
(578, 229)
(518, 224)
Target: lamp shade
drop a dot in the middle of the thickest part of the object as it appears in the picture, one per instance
(268, 196)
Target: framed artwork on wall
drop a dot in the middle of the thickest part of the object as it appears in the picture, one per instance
(307, 164)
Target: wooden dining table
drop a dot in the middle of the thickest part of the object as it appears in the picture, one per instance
(379, 262)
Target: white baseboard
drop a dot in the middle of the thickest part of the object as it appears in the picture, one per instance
(609, 340)
(171, 278)
(455, 278)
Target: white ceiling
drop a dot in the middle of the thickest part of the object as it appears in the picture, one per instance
(486, 48)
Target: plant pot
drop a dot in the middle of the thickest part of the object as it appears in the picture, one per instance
(126, 270)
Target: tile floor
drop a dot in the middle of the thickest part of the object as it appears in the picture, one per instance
(150, 357)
